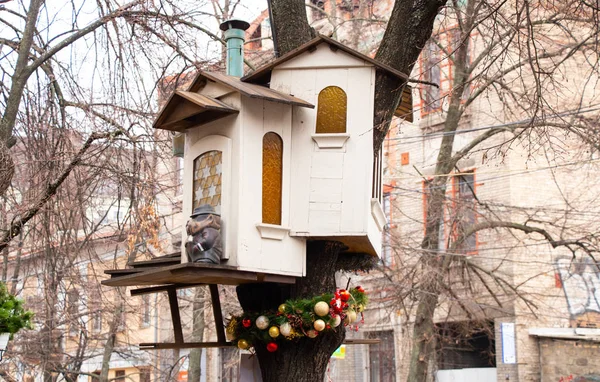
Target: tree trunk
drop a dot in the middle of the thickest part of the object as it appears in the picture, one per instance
(305, 360)
(110, 343)
(409, 27)
(195, 360)
(289, 26)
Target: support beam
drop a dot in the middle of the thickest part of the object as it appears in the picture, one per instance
(174, 305)
(218, 314)
(189, 345)
(219, 344)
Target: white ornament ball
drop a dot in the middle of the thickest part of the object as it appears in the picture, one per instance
(319, 325)
(262, 322)
(337, 320)
(350, 317)
(312, 333)
(285, 329)
(321, 308)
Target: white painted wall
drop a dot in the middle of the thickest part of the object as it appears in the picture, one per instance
(331, 187)
(467, 375)
(239, 137)
(285, 256)
(224, 135)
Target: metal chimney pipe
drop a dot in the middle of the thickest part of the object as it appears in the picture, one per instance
(235, 37)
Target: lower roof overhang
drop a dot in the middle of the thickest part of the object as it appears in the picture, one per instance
(186, 109)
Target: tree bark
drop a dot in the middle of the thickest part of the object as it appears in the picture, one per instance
(409, 27)
(305, 360)
(289, 26)
(195, 359)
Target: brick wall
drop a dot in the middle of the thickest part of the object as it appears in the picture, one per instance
(567, 360)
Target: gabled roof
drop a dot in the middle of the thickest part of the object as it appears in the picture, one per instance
(247, 89)
(186, 109)
(262, 75)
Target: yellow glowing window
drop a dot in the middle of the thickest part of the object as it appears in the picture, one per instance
(331, 112)
(272, 175)
(207, 180)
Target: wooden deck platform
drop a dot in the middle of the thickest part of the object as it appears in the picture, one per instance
(189, 273)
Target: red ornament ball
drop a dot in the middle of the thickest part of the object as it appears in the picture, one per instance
(360, 289)
(344, 295)
(272, 347)
(246, 322)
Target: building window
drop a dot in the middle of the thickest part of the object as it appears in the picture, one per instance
(431, 66)
(95, 310)
(120, 376)
(121, 313)
(331, 111)
(459, 214)
(272, 178)
(207, 180)
(230, 364)
(382, 363)
(465, 212)
(145, 311)
(73, 311)
(145, 375)
(437, 67)
(386, 255)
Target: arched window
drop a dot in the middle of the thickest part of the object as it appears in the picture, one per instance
(207, 180)
(331, 111)
(272, 175)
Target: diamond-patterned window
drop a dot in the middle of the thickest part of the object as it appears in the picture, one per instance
(331, 111)
(272, 175)
(207, 180)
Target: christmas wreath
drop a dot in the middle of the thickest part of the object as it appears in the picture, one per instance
(298, 318)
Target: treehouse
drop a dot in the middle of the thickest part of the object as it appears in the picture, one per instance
(271, 160)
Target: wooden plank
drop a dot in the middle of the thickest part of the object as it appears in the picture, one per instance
(186, 345)
(161, 288)
(217, 313)
(155, 262)
(121, 272)
(249, 89)
(361, 341)
(174, 305)
(192, 273)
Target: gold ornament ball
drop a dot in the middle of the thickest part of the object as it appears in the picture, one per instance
(312, 333)
(350, 317)
(262, 322)
(285, 329)
(321, 308)
(281, 308)
(243, 344)
(319, 325)
(274, 332)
